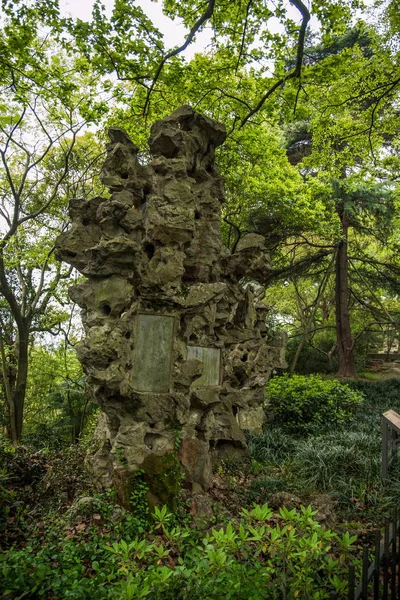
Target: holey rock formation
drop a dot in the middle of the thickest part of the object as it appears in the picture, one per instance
(176, 349)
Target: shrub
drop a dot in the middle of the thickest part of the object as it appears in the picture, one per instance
(265, 555)
(311, 359)
(300, 404)
(34, 483)
(314, 358)
(262, 486)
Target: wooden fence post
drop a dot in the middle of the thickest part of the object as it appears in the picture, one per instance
(385, 432)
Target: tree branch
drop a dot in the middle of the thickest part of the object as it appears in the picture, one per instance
(204, 17)
(299, 60)
(243, 34)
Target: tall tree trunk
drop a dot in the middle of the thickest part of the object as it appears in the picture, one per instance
(7, 387)
(19, 391)
(343, 329)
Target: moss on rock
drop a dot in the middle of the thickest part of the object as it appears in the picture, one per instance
(163, 476)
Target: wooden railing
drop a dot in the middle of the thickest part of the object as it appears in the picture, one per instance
(390, 433)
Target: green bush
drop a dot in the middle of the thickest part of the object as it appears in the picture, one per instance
(314, 358)
(301, 404)
(262, 486)
(265, 555)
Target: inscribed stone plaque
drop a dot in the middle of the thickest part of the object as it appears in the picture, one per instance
(211, 357)
(153, 349)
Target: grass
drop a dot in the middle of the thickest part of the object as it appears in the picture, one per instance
(342, 461)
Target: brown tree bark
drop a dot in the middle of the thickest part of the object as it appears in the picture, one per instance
(18, 395)
(344, 338)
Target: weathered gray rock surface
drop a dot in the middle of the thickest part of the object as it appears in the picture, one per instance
(176, 350)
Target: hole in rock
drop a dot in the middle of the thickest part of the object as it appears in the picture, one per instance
(149, 249)
(85, 221)
(70, 254)
(185, 125)
(200, 435)
(228, 448)
(209, 168)
(235, 410)
(124, 175)
(190, 274)
(150, 439)
(197, 215)
(241, 377)
(106, 309)
(244, 358)
(127, 335)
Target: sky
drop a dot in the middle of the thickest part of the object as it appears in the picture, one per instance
(173, 31)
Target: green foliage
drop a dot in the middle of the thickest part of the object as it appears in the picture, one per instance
(263, 555)
(323, 462)
(382, 394)
(302, 403)
(58, 409)
(6, 495)
(342, 460)
(313, 358)
(36, 482)
(138, 501)
(274, 445)
(262, 486)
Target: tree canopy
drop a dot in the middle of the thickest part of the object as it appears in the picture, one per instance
(310, 99)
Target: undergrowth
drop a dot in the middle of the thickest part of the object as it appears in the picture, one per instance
(64, 540)
(264, 555)
(342, 459)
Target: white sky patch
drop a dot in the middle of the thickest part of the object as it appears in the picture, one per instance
(174, 32)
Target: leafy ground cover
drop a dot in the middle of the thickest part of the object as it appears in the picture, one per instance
(97, 550)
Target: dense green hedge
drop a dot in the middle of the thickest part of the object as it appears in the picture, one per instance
(300, 403)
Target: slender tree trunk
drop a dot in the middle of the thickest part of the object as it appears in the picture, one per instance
(19, 391)
(8, 389)
(344, 338)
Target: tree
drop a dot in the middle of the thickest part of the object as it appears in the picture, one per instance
(342, 143)
(47, 102)
(128, 45)
(232, 89)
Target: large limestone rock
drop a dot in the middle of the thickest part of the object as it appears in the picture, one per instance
(176, 350)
